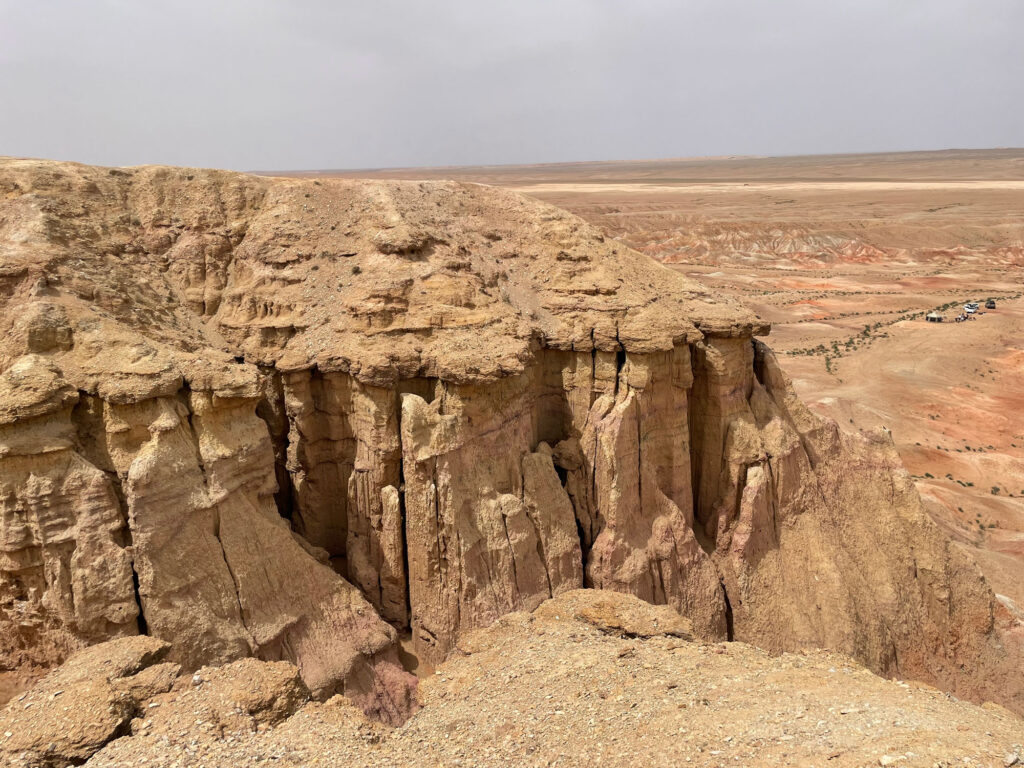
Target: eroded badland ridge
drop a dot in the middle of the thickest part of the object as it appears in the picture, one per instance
(300, 420)
(846, 255)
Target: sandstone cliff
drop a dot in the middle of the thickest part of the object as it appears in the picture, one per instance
(296, 419)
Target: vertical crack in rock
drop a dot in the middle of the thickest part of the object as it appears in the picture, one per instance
(442, 558)
(271, 410)
(737, 500)
(730, 631)
(231, 571)
(88, 434)
(596, 523)
(585, 550)
(696, 406)
(538, 530)
(620, 362)
(773, 502)
(115, 481)
(491, 580)
(638, 417)
(403, 515)
(143, 626)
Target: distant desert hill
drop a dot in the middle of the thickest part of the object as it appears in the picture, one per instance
(939, 165)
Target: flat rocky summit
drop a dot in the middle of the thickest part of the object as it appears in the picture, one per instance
(386, 280)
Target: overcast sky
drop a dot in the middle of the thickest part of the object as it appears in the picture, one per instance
(304, 84)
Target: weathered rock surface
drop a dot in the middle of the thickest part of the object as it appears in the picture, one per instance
(615, 613)
(85, 703)
(291, 419)
(601, 678)
(120, 688)
(244, 696)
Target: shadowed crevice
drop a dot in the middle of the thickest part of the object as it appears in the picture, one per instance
(730, 632)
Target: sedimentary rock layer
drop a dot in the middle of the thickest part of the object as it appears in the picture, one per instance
(296, 419)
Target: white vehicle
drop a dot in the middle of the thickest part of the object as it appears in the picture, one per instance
(971, 308)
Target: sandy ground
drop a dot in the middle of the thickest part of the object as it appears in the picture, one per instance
(550, 689)
(803, 187)
(828, 246)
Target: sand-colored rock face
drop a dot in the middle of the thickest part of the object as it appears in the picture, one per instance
(293, 419)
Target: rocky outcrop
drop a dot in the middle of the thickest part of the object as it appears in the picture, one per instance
(76, 709)
(293, 420)
(590, 673)
(612, 613)
(124, 688)
(67, 575)
(822, 541)
(211, 565)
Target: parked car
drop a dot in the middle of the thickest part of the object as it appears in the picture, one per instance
(990, 304)
(971, 307)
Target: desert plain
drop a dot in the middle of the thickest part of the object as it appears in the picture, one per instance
(845, 255)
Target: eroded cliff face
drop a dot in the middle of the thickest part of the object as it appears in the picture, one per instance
(298, 419)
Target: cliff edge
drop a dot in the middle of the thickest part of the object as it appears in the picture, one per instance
(297, 420)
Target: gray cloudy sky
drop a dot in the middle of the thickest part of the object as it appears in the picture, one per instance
(260, 84)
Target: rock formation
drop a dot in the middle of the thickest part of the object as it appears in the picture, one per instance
(118, 688)
(294, 419)
(590, 673)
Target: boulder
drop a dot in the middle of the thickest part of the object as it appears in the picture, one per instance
(85, 703)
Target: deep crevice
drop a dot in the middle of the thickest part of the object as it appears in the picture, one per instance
(695, 436)
(730, 632)
(584, 552)
(143, 626)
(274, 416)
(402, 516)
(620, 361)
